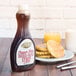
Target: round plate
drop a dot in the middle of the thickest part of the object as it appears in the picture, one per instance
(68, 55)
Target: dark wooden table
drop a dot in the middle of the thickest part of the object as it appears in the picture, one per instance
(40, 69)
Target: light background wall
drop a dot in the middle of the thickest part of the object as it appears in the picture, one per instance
(55, 15)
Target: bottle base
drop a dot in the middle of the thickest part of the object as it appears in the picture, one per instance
(23, 69)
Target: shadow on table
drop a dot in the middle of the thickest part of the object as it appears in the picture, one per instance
(50, 63)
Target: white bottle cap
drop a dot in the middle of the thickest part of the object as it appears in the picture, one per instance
(23, 9)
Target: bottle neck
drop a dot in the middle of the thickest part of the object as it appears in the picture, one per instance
(23, 21)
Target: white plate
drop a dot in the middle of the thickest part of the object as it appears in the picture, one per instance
(68, 55)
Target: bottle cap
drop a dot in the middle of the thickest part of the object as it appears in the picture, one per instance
(23, 9)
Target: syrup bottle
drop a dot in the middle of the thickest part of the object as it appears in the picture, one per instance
(22, 52)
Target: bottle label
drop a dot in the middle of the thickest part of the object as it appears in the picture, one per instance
(25, 53)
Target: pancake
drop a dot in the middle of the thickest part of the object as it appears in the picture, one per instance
(45, 56)
(41, 47)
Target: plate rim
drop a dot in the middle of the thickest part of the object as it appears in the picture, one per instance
(56, 60)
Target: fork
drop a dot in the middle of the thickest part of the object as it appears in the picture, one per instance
(65, 66)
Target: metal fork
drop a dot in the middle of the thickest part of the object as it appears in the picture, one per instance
(64, 66)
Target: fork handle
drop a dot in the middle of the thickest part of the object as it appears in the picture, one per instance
(66, 64)
(68, 67)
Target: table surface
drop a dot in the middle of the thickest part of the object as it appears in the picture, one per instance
(40, 69)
